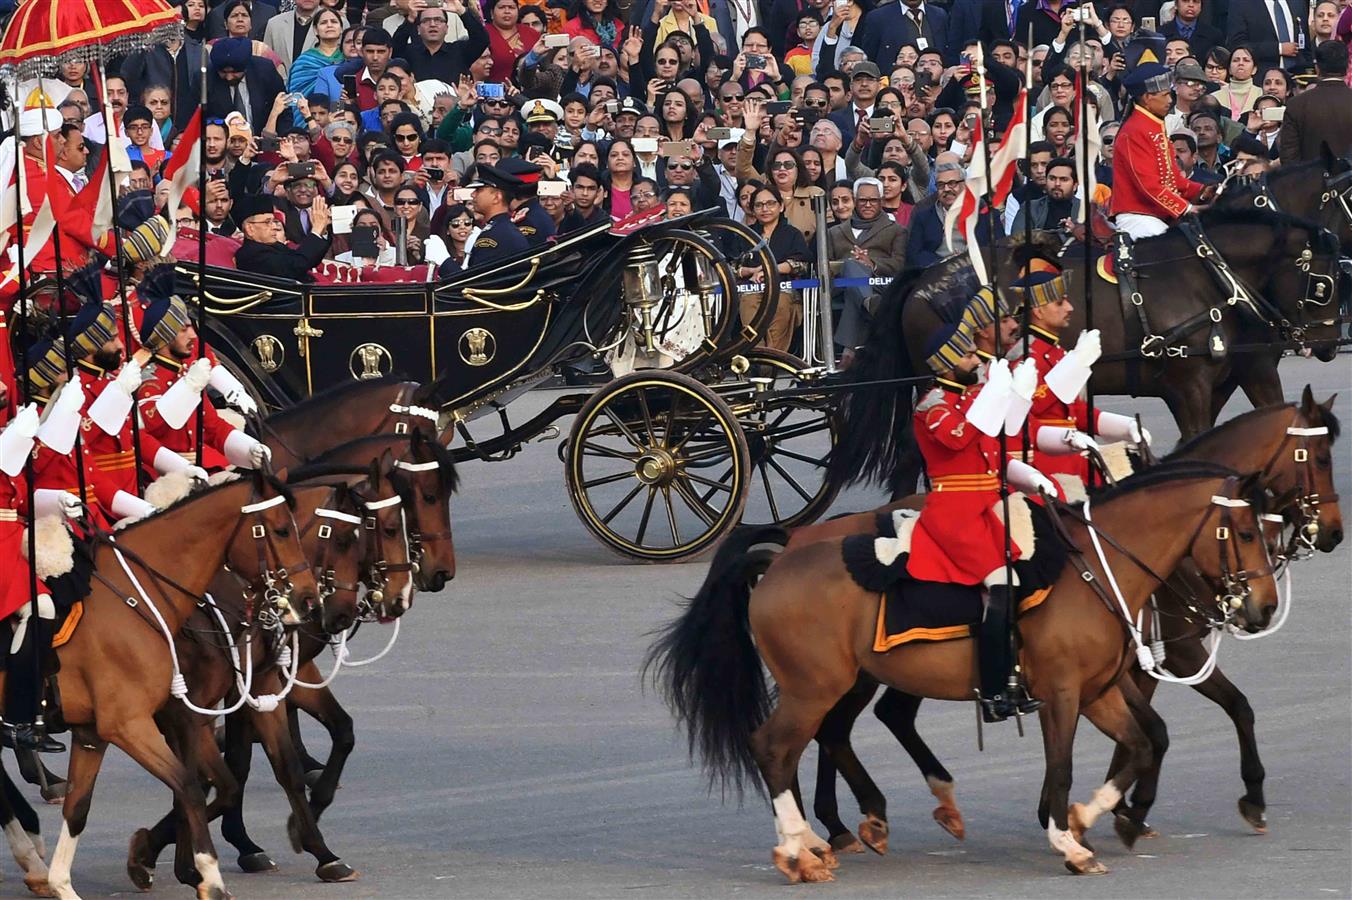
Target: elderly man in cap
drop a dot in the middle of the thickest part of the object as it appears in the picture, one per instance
(241, 82)
(499, 237)
(1149, 191)
(265, 252)
(543, 117)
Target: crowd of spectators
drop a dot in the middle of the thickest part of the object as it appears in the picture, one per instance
(753, 107)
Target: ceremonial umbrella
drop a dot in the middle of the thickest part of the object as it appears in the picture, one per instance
(44, 35)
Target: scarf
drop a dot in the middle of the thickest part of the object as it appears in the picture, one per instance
(605, 30)
(863, 224)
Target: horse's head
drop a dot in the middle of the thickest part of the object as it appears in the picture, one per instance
(1302, 476)
(1233, 548)
(428, 471)
(388, 570)
(1335, 196)
(265, 550)
(332, 538)
(1307, 293)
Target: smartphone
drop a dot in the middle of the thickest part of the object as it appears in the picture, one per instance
(842, 7)
(555, 41)
(777, 107)
(363, 242)
(463, 195)
(1274, 114)
(434, 4)
(536, 153)
(612, 106)
(1147, 23)
(342, 218)
(300, 170)
(269, 144)
(645, 145)
(489, 91)
(551, 188)
(755, 61)
(294, 98)
(879, 124)
(350, 87)
(434, 173)
(720, 134)
(676, 148)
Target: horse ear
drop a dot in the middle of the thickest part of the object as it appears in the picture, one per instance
(1307, 400)
(1327, 405)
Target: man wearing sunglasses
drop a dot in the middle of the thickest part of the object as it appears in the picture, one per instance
(698, 179)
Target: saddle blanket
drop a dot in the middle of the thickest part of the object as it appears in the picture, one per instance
(913, 610)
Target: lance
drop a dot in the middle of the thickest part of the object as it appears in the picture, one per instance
(1025, 323)
(1085, 172)
(200, 424)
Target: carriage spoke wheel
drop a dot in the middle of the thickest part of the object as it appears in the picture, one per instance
(641, 464)
(789, 442)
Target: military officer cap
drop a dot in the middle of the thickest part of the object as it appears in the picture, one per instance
(543, 112)
(528, 173)
(631, 107)
(497, 177)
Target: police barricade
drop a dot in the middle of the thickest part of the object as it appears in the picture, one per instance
(813, 346)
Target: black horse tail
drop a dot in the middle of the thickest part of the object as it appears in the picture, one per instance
(875, 420)
(705, 664)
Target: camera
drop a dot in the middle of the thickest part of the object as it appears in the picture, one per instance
(755, 61)
(490, 91)
(434, 173)
(880, 124)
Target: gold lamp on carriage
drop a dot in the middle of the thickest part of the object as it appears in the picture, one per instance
(643, 291)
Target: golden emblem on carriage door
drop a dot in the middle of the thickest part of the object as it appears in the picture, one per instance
(269, 352)
(370, 361)
(478, 347)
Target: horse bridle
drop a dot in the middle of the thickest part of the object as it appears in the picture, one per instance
(325, 575)
(1320, 290)
(275, 583)
(377, 571)
(1306, 500)
(416, 536)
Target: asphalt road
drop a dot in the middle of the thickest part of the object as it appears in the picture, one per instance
(506, 749)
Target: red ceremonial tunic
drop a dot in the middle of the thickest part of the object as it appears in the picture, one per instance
(183, 441)
(58, 472)
(14, 572)
(959, 537)
(114, 455)
(1049, 410)
(1146, 177)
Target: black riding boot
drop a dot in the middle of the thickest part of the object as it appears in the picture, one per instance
(23, 692)
(994, 658)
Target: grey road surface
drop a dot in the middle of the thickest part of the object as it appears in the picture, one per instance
(506, 749)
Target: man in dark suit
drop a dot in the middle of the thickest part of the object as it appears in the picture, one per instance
(1273, 29)
(927, 243)
(1057, 206)
(1187, 25)
(883, 31)
(981, 20)
(239, 81)
(1321, 115)
(265, 252)
(297, 207)
(259, 11)
(864, 83)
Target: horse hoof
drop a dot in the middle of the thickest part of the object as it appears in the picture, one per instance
(1254, 815)
(1128, 831)
(336, 871)
(827, 856)
(846, 843)
(873, 832)
(804, 867)
(1148, 833)
(1090, 866)
(253, 863)
(140, 867)
(950, 820)
(1075, 825)
(54, 793)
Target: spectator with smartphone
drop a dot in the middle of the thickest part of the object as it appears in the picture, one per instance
(370, 244)
(264, 252)
(828, 50)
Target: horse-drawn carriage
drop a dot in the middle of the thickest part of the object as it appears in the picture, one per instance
(660, 462)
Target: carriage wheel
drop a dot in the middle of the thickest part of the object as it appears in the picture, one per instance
(682, 253)
(641, 464)
(790, 441)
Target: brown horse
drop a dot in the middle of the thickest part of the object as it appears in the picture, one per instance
(340, 414)
(1288, 446)
(116, 670)
(708, 661)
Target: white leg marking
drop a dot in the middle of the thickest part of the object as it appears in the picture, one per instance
(1104, 799)
(942, 790)
(790, 824)
(25, 853)
(1063, 843)
(39, 843)
(59, 878)
(210, 870)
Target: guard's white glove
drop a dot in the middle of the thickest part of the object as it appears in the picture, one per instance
(987, 412)
(1059, 441)
(198, 374)
(72, 396)
(1025, 379)
(16, 440)
(1078, 440)
(198, 474)
(129, 377)
(244, 451)
(50, 502)
(1029, 479)
(1089, 347)
(233, 392)
(1023, 384)
(1122, 428)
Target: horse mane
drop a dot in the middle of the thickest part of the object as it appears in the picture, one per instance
(1182, 451)
(445, 461)
(312, 470)
(1218, 216)
(272, 481)
(337, 391)
(1164, 473)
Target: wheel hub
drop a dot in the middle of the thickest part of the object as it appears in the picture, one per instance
(655, 466)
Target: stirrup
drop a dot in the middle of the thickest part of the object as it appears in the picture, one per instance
(1023, 702)
(996, 709)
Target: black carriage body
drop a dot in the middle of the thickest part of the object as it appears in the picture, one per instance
(469, 338)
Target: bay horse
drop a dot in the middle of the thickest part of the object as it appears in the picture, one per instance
(340, 414)
(116, 669)
(340, 540)
(707, 663)
(1260, 247)
(1294, 466)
